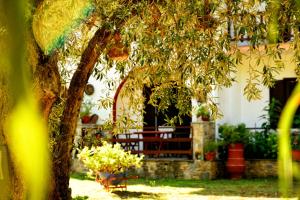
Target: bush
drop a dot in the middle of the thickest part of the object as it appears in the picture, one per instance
(210, 146)
(108, 158)
(262, 145)
(203, 110)
(230, 134)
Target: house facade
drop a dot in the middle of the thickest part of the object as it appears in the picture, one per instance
(232, 103)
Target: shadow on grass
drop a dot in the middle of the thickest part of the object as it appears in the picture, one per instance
(142, 195)
(81, 176)
(239, 191)
(224, 187)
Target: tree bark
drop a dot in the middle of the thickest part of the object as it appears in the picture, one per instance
(62, 150)
(47, 84)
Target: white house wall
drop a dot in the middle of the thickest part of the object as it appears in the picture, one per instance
(235, 106)
(232, 103)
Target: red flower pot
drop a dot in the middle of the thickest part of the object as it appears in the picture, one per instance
(296, 154)
(85, 119)
(235, 164)
(205, 118)
(210, 156)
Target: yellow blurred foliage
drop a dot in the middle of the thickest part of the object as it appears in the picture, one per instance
(28, 142)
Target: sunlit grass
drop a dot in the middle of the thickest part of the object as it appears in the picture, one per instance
(183, 189)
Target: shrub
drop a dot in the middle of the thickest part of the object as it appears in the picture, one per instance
(210, 146)
(108, 158)
(230, 134)
(203, 110)
(262, 145)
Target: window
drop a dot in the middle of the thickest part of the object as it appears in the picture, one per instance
(281, 92)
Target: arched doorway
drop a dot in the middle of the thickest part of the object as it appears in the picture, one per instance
(153, 119)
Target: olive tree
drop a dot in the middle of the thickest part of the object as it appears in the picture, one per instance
(191, 45)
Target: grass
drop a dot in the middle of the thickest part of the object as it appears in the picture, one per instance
(162, 189)
(81, 176)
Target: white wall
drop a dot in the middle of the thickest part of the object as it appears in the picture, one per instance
(101, 91)
(235, 106)
(232, 103)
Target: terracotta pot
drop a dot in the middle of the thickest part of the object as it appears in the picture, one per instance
(210, 156)
(118, 51)
(112, 179)
(205, 118)
(235, 164)
(85, 119)
(296, 154)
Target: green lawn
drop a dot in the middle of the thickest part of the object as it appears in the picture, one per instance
(180, 189)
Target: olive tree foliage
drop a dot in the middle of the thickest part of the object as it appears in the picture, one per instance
(193, 45)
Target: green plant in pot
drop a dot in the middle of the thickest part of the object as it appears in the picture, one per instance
(295, 144)
(210, 149)
(234, 137)
(203, 112)
(85, 111)
(109, 160)
(233, 134)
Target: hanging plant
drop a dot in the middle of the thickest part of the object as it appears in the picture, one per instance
(118, 51)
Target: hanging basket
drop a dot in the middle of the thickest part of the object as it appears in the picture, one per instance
(118, 52)
(206, 22)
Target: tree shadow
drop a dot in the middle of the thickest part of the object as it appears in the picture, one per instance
(244, 191)
(143, 195)
(224, 187)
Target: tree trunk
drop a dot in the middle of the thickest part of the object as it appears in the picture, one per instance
(61, 162)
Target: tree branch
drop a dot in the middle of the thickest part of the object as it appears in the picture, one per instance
(62, 151)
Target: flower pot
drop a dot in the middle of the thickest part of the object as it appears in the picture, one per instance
(118, 53)
(166, 128)
(85, 119)
(205, 118)
(210, 156)
(112, 179)
(235, 164)
(296, 154)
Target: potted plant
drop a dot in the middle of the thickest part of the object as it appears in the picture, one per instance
(209, 149)
(295, 143)
(85, 112)
(203, 112)
(109, 162)
(234, 137)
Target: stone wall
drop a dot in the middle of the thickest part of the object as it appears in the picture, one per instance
(181, 169)
(199, 169)
(261, 168)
